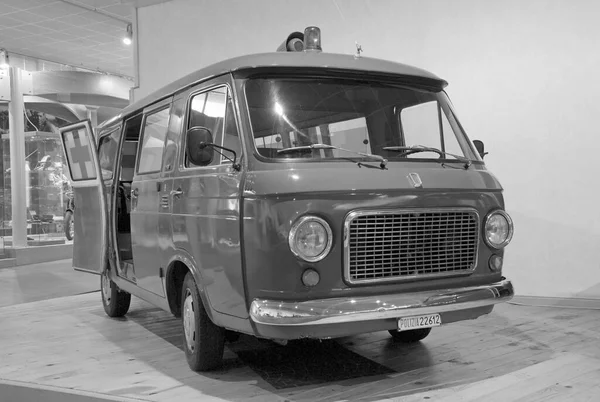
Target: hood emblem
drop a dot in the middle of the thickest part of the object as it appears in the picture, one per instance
(415, 180)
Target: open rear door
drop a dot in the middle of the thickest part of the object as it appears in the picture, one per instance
(90, 223)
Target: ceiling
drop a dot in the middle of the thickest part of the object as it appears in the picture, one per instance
(70, 32)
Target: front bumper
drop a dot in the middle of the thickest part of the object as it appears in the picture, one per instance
(359, 309)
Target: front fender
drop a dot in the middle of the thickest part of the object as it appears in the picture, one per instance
(184, 257)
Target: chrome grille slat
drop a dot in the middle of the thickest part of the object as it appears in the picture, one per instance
(395, 245)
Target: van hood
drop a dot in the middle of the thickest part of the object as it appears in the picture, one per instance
(348, 177)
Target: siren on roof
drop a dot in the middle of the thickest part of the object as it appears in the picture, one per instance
(310, 40)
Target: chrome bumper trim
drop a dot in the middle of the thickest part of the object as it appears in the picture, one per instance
(341, 310)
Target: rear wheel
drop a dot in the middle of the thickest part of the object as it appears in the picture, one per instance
(69, 227)
(203, 341)
(115, 301)
(410, 336)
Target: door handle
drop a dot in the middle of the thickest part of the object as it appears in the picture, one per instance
(134, 193)
(176, 193)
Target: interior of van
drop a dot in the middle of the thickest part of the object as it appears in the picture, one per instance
(123, 203)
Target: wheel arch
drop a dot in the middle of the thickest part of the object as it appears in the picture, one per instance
(178, 267)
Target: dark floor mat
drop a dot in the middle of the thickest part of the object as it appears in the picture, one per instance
(309, 363)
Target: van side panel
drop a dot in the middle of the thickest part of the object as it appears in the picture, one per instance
(206, 223)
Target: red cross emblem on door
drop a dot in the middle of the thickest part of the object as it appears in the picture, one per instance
(80, 158)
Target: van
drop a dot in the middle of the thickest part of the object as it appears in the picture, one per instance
(288, 195)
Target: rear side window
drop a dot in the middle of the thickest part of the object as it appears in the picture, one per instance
(153, 141)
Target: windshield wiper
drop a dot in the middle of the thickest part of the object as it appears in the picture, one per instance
(420, 148)
(382, 161)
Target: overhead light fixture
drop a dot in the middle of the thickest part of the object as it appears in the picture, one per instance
(127, 39)
(3, 59)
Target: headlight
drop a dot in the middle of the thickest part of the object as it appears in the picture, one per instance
(310, 238)
(498, 229)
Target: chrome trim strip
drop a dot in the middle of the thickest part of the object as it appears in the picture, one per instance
(346, 246)
(347, 309)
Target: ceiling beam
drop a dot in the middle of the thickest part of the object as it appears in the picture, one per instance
(96, 10)
(143, 3)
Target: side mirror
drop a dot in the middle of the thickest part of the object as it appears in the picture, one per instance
(199, 146)
(480, 148)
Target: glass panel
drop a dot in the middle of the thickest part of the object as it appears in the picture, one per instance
(79, 155)
(359, 116)
(208, 110)
(350, 134)
(231, 139)
(420, 126)
(107, 153)
(5, 206)
(451, 144)
(46, 179)
(153, 141)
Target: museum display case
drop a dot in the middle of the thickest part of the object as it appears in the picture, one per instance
(46, 187)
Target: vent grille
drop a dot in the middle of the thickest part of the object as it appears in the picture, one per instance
(385, 246)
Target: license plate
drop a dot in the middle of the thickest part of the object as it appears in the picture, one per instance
(419, 321)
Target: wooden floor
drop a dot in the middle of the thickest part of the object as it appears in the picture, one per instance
(517, 353)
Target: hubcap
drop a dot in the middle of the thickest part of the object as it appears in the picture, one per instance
(106, 287)
(189, 321)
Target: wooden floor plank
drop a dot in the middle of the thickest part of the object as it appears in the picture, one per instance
(532, 353)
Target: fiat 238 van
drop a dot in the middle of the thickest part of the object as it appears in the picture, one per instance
(287, 195)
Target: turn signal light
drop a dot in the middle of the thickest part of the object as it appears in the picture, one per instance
(495, 263)
(310, 277)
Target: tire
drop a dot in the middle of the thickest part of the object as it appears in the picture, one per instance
(115, 301)
(232, 336)
(410, 336)
(203, 341)
(69, 229)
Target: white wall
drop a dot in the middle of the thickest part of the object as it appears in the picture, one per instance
(523, 76)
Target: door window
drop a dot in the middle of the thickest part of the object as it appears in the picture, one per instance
(153, 141)
(79, 154)
(107, 153)
(207, 109)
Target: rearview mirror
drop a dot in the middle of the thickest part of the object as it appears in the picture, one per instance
(198, 146)
(480, 148)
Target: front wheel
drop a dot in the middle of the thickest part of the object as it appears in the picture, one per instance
(203, 341)
(114, 300)
(410, 336)
(69, 227)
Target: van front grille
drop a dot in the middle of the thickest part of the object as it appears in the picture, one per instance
(384, 245)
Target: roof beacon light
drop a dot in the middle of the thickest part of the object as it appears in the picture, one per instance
(312, 39)
(293, 43)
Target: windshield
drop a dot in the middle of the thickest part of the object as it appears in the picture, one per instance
(358, 116)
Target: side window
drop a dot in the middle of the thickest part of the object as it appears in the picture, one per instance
(207, 109)
(107, 153)
(153, 141)
(231, 138)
